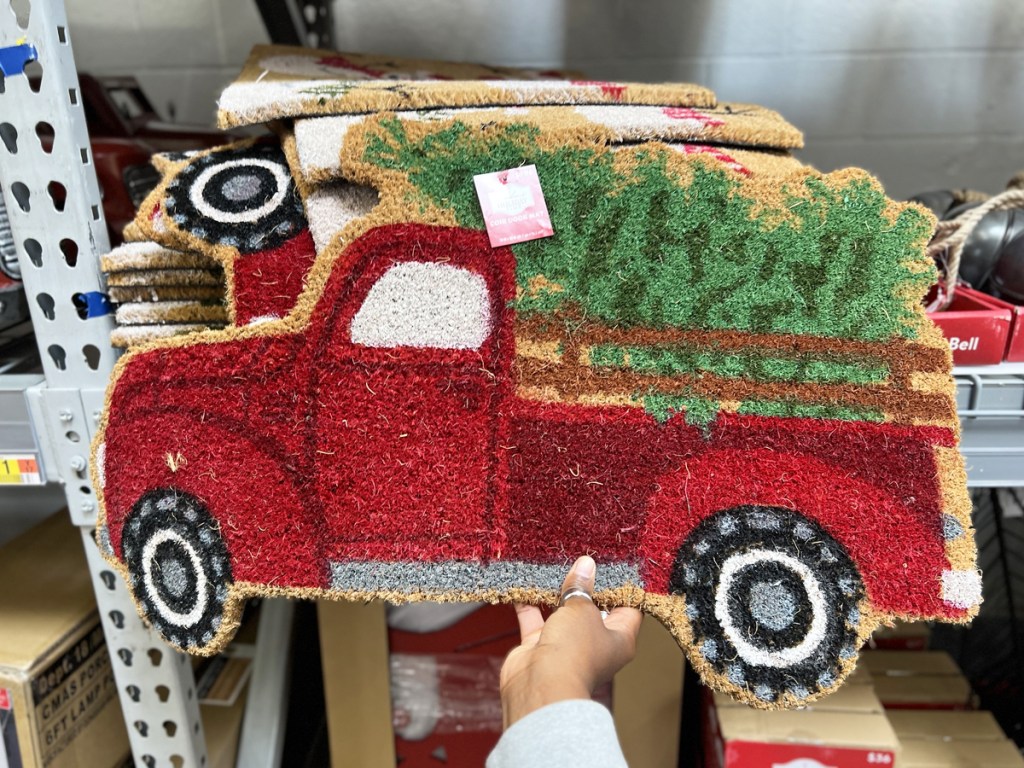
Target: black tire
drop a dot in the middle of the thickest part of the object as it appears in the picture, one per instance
(773, 602)
(244, 198)
(178, 566)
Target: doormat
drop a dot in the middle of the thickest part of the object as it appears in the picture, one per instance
(166, 277)
(144, 255)
(170, 312)
(127, 336)
(319, 140)
(148, 305)
(332, 206)
(283, 82)
(721, 384)
(238, 207)
(203, 293)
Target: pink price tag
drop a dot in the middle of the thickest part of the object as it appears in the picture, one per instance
(513, 206)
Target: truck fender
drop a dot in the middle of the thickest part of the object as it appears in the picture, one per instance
(898, 548)
(244, 479)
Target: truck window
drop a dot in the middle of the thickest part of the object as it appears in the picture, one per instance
(424, 304)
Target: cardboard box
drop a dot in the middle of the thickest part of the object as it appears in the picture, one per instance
(58, 699)
(977, 330)
(901, 663)
(960, 754)
(646, 695)
(924, 692)
(742, 737)
(903, 636)
(645, 699)
(945, 726)
(859, 676)
(847, 698)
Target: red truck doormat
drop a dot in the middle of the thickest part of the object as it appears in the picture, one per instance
(716, 377)
(238, 207)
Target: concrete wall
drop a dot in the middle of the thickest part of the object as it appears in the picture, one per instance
(925, 93)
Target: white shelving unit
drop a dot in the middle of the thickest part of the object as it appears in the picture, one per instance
(53, 417)
(56, 216)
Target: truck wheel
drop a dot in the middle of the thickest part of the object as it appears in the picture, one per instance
(773, 602)
(244, 198)
(178, 566)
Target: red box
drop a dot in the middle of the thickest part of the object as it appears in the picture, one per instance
(1015, 347)
(492, 631)
(976, 327)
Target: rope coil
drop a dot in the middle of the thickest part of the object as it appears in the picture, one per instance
(949, 238)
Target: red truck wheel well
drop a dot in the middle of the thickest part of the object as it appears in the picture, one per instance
(264, 532)
(898, 550)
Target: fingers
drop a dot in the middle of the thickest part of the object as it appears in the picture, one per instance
(580, 579)
(624, 620)
(531, 621)
(624, 624)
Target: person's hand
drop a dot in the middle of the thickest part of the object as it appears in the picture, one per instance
(569, 655)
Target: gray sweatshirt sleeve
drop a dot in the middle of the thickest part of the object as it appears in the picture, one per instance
(577, 732)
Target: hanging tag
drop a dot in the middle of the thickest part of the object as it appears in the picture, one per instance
(513, 206)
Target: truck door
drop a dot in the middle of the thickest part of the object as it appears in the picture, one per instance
(405, 401)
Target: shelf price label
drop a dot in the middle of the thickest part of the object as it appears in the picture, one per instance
(19, 470)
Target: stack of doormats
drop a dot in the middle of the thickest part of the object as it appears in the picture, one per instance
(161, 291)
(708, 367)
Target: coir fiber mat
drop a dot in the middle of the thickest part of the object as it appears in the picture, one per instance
(128, 336)
(280, 82)
(236, 206)
(319, 140)
(172, 312)
(718, 381)
(157, 311)
(143, 255)
(203, 293)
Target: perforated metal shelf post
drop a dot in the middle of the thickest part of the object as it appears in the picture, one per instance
(56, 215)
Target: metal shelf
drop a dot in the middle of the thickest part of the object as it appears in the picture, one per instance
(53, 416)
(990, 401)
(21, 460)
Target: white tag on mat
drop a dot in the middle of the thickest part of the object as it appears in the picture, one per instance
(513, 206)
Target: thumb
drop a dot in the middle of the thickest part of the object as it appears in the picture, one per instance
(580, 579)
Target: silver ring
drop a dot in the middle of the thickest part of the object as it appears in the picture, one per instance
(569, 594)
